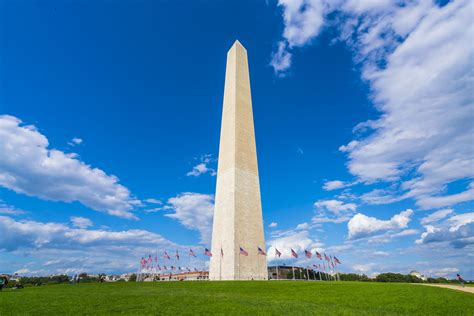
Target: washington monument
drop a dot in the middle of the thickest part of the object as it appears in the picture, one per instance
(238, 220)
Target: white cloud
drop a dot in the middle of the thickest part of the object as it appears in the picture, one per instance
(380, 196)
(154, 210)
(53, 248)
(9, 209)
(22, 271)
(195, 211)
(153, 201)
(419, 68)
(457, 230)
(335, 206)
(27, 234)
(361, 226)
(298, 240)
(428, 202)
(436, 216)
(303, 19)
(333, 185)
(80, 222)
(202, 167)
(75, 141)
(28, 166)
(302, 226)
(273, 225)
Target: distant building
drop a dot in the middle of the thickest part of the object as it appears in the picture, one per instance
(418, 275)
(283, 272)
(184, 276)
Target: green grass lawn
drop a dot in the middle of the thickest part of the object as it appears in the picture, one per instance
(284, 297)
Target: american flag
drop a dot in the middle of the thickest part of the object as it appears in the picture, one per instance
(166, 256)
(207, 252)
(307, 253)
(165, 267)
(177, 255)
(156, 258)
(277, 253)
(150, 259)
(315, 266)
(243, 252)
(319, 256)
(222, 252)
(326, 257)
(187, 269)
(337, 260)
(159, 268)
(191, 253)
(261, 252)
(293, 253)
(172, 268)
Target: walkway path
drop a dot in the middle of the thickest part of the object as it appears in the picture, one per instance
(453, 287)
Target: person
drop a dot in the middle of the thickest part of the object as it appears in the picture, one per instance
(3, 282)
(460, 279)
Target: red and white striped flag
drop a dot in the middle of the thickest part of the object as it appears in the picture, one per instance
(166, 256)
(277, 253)
(337, 260)
(326, 257)
(261, 252)
(319, 256)
(243, 252)
(191, 253)
(207, 252)
(177, 254)
(165, 267)
(308, 254)
(293, 253)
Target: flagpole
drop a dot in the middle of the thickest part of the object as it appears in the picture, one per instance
(276, 262)
(220, 266)
(258, 265)
(239, 262)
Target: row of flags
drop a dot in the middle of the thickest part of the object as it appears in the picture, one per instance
(144, 262)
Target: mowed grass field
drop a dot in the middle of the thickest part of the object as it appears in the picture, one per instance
(276, 297)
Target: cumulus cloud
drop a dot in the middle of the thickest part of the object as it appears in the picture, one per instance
(418, 65)
(284, 241)
(303, 19)
(202, 167)
(361, 225)
(28, 234)
(80, 222)
(194, 211)
(458, 231)
(273, 225)
(29, 166)
(53, 248)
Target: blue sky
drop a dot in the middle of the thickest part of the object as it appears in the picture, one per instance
(110, 120)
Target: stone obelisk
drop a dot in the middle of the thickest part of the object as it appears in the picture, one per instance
(238, 210)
